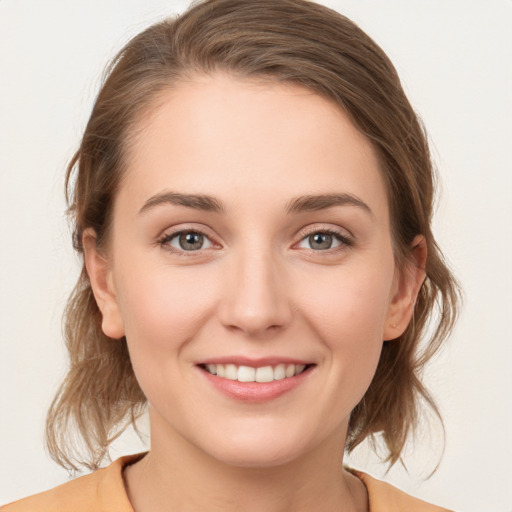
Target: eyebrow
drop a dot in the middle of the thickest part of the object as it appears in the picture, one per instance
(296, 205)
(196, 201)
(324, 201)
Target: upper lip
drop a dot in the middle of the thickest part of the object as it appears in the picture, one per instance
(253, 362)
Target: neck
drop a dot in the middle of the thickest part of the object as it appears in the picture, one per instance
(176, 475)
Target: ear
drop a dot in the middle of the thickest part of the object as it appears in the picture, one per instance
(100, 276)
(407, 284)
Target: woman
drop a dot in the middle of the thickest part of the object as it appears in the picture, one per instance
(252, 197)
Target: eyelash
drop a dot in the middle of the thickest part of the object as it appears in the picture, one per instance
(345, 242)
(166, 238)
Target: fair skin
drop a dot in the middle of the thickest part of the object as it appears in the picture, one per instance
(255, 275)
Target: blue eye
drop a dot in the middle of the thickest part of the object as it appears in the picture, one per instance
(323, 241)
(187, 241)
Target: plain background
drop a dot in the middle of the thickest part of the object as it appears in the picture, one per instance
(455, 60)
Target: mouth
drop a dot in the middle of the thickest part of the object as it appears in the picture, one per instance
(255, 382)
(261, 374)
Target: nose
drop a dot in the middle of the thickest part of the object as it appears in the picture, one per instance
(256, 301)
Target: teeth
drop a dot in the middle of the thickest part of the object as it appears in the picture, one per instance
(231, 372)
(279, 372)
(250, 374)
(246, 374)
(290, 370)
(264, 374)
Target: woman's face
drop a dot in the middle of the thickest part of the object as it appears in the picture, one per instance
(251, 230)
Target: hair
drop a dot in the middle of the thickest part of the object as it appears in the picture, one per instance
(284, 41)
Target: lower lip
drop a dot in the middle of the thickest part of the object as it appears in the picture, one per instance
(255, 391)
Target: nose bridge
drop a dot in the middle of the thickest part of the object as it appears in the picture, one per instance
(256, 298)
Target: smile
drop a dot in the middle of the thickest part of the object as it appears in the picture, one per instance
(250, 374)
(251, 381)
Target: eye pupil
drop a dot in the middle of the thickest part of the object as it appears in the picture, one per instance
(191, 241)
(320, 241)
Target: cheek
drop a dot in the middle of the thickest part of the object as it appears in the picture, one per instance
(350, 302)
(162, 310)
(348, 313)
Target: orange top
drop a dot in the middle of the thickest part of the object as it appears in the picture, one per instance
(104, 491)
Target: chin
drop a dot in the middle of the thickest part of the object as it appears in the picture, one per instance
(255, 456)
(256, 447)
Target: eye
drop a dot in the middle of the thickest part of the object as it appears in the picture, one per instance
(323, 241)
(187, 241)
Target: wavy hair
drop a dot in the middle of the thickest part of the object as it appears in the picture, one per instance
(283, 41)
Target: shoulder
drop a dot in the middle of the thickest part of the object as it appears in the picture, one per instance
(386, 498)
(102, 490)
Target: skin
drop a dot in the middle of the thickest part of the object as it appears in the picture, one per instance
(256, 288)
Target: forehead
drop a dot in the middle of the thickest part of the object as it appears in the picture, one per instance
(225, 136)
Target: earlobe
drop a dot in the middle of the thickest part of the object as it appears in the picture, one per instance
(100, 276)
(408, 281)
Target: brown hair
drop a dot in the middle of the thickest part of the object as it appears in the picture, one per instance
(290, 41)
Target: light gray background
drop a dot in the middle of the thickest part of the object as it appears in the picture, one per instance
(454, 57)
